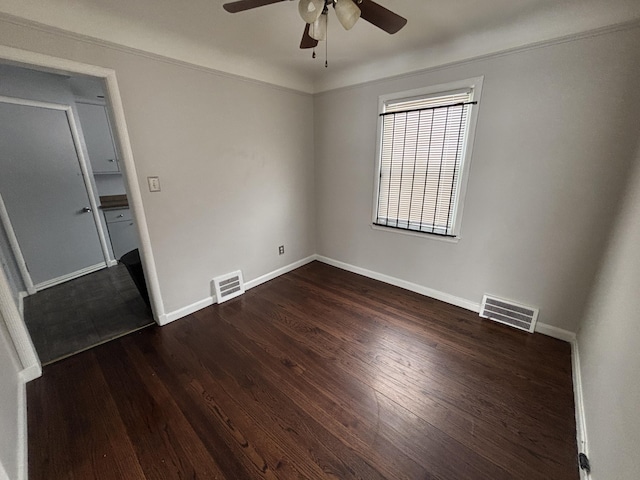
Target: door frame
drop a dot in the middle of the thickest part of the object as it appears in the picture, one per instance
(84, 169)
(31, 367)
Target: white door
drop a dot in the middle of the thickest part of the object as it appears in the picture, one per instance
(45, 195)
(97, 135)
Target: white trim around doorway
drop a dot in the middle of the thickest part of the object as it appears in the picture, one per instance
(71, 276)
(33, 60)
(15, 247)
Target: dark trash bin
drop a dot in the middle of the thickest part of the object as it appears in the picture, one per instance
(132, 261)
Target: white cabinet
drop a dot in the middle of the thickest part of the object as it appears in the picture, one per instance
(98, 137)
(122, 231)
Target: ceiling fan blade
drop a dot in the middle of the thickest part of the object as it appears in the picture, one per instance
(381, 17)
(307, 41)
(242, 5)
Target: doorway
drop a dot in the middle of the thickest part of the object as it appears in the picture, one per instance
(47, 204)
(115, 277)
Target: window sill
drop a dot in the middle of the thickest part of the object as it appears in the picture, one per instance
(439, 238)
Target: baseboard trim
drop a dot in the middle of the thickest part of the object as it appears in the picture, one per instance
(280, 271)
(167, 318)
(13, 319)
(23, 439)
(542, 328)
(578, 398)
(414, 287)
(31, 373)
(22, 464)
(206, 302)
(70, 276)
(555, 332)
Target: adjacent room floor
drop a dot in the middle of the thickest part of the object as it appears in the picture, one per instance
(319, 373)
(84, 312)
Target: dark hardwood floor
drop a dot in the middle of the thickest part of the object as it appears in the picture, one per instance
(319, 373)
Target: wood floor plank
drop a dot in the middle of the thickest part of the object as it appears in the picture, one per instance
(499, 397)
(316, 374)
(88, 437)
(246, 380)
(439, 356)
(329, 396)
(452, 325)
(439, 416)
(332, 412)
(480, 375)
(166, 445)
(192, 383)
(417, 399)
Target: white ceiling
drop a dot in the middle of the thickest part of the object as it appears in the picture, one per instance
(263, 43)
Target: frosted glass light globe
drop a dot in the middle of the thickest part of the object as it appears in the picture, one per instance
(310, 10)
(348, 13)
(318, 30)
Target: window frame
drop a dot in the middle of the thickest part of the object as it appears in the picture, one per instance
(475, 85)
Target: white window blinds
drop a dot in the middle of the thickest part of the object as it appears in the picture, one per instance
(422, 148)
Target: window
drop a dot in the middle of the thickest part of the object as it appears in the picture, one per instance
(424, 150)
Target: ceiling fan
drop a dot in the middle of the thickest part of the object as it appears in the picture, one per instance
(315, 14)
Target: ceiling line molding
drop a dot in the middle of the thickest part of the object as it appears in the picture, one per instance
(596, 32)
(48, 29)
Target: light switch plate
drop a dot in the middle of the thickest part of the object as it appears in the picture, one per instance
(154, 184)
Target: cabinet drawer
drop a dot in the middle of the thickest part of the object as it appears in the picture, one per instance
(119, 215)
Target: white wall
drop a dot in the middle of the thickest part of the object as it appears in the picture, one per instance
(234, 157)
(10, 410)
(555, 141)
(556, 134)
(609, 346)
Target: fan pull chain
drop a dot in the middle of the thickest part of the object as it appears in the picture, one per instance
(326, 46)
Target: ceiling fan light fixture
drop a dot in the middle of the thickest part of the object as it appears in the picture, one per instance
(318, 30)
(347, 12)
(310, 10)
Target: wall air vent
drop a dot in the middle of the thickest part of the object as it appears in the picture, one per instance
(509, 313)
(228, 286)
